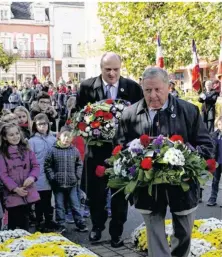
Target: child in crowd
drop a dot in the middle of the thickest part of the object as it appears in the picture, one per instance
(9, 117)
(41, 143)
(63, 167)
(19, 171)
(24, 120)
(217, 136)
(14, 99)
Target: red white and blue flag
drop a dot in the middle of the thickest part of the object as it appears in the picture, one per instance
(196, 81)
(219, 71)
(159, 54)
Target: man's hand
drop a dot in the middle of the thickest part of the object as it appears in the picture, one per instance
(28, 181)
(21, 191)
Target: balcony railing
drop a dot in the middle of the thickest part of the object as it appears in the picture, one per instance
(33, 54)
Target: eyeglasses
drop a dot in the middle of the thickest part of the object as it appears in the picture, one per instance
(42, 124)
(43, 102)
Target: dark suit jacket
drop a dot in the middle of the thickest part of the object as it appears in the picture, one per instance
(91, 90)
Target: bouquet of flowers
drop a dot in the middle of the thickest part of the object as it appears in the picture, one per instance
(150, 161)
(97, 122)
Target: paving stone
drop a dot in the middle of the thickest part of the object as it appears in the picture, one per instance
(109, 254)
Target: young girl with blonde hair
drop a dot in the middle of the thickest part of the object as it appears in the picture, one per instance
(24, 120)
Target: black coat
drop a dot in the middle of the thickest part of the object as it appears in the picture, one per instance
(91, 90)
(181, 118)
(208, 107)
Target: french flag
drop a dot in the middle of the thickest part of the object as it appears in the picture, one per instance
(159, 54)
(219, 71)
(196, 83)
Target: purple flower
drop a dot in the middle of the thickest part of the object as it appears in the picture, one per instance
(136, 150)
(158, 140)
(96, 132)
(157, 151)
(132, 170)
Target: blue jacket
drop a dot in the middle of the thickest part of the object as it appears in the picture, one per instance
(41, 145)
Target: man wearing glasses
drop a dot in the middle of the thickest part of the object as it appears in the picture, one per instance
(44, 105)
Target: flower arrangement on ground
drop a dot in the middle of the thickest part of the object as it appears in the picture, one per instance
(40, 244)
(204, 242)
(161, 160)
(97, 122)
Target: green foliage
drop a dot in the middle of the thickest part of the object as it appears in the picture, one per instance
(130, 29)
(6, 60)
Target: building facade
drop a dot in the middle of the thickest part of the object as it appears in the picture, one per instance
(67, 29)
(25, 26)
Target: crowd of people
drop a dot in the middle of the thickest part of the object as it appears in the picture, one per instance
(40, 159)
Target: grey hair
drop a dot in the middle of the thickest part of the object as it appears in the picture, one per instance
(109, 54)
(152, 72)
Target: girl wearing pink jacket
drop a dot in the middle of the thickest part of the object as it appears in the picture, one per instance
(18, 171)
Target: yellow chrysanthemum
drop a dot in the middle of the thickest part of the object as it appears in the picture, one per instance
(215, 238)
(214, 253)
(3, 248)
(45, 249)
(198, 223)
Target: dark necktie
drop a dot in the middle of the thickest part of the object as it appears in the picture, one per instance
(108, 92)
(156, 124)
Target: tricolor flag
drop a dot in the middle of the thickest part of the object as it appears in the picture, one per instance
(196, 83)
(219, 71)
(159, 54)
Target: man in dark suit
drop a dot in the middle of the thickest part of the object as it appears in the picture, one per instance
(108, 85)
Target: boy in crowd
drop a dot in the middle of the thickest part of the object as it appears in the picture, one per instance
(63, 167)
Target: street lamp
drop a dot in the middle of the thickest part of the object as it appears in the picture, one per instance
(15, 51)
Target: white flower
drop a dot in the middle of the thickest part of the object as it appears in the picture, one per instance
(135, 144)
(85, 134)
(107, 126)
(87, 119)
(199, 247)
(120, 107)
(87, 129)
(117, 167)
(124, 174)
(118, 115)
(209, 225)
(174, 157)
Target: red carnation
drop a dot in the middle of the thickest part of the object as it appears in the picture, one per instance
(82, 126)
(100, 171)
(211, 164)
(107, 115)
(117, 149)
(144, 140)
(109, 101)
(68, 122)
(175, 138)
(88, 109)
(99, 113)
(95, 124)
(146, 163)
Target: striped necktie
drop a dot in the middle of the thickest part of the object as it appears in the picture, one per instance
(108, 92)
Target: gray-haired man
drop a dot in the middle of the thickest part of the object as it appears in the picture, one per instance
(161, 113)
